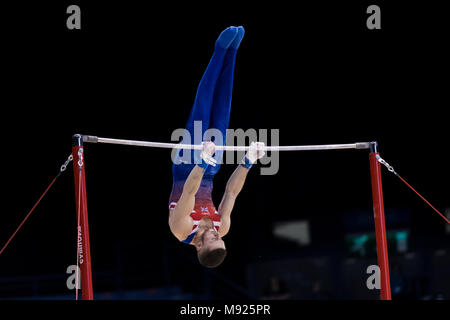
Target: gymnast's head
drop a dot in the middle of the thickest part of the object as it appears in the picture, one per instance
(210, 247)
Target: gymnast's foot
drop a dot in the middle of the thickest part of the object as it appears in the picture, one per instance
(237, 40)
(226, 37)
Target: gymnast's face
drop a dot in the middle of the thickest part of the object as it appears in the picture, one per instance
(212, 240)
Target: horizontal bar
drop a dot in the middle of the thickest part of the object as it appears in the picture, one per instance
(94, 139)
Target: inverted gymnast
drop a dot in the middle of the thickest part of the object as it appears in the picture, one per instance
(193, 218)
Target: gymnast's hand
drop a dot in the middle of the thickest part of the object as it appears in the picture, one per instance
(207, 153)
(255, 152)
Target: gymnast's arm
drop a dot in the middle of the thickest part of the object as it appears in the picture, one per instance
(180, 221)
(233, 188)
(235, 184)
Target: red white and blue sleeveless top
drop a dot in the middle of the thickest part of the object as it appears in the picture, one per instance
(200, 211)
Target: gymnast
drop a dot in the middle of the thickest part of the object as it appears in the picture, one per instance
(193, 218)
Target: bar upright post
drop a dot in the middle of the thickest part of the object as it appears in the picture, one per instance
(380, 228)
(83, 248)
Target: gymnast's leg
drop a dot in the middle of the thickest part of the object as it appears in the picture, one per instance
(220, 115)
(202, 107)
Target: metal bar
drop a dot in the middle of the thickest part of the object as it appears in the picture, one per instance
(380, 228)
(83, 247)
(94, 139)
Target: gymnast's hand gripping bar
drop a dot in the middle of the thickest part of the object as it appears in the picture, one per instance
(94, 139)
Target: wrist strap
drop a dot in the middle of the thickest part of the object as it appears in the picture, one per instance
(203, 165)
(246, 163)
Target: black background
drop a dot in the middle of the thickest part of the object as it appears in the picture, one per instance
(311, 69)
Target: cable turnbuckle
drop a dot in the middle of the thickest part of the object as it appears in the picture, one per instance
(64, 166)
(80, 157)
(387, 165)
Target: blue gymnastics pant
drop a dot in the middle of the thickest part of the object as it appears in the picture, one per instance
(212, 103)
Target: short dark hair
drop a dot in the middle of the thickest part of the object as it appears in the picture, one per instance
(211, 258)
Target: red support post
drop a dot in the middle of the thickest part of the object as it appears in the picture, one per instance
(83, 248)
(380, 228)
